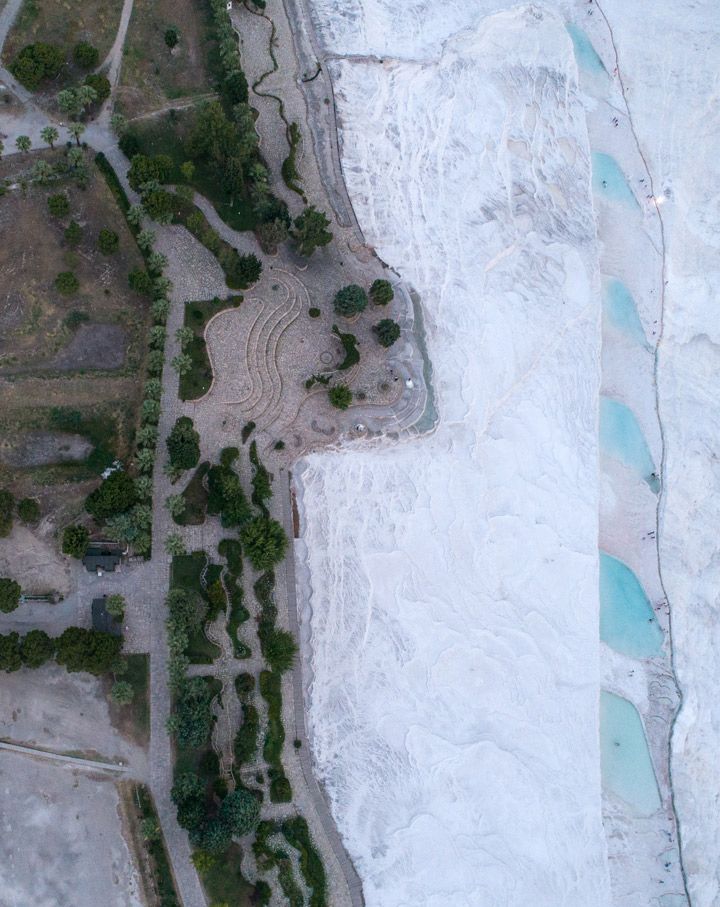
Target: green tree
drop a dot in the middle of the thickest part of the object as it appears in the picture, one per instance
(184, 336)
(58, 204)
(159, 205)
(350, 300)
(36, 648)
(182, 363)
(213, 837)
(150, 830)
(387, 332)
(340, 396)
(146, 240)
(76, 130)
(135, 215)
(140, 281)
(10, 658)
(264, 542)
(187, 169)
(73, 234)
(203, 861)
(176, 505)
(156, 262)
(118, 123)
(271, 234)
(115, 606)
(67, 283)
(75, 541)
(49, 135)
(2, 148)
(381, 292)
(116, 494)
(100, 84)
(240, 811)
(29, 510)
(183, 444)
(145, 169)
(174, 544)
(122, 692)
(85, 55)
(42, 173)
(310, 231)
(108, 241)
(7, 504)
(172, 36)
(10, 593)
(23, 143)
(88, 650)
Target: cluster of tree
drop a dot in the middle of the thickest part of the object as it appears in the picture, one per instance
(7, 502)
(186, 613)
(37, 63)
(116, 494)
(277, 645)
(10, 592)
(183, 444)
(191, 720)
(226, 496)
(76, 648)
(212, 826)
(264, 542)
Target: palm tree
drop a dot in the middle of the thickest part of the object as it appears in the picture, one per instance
(50, 135)
(23, 143)
(76, 130)
(42, 172)
(2, 148)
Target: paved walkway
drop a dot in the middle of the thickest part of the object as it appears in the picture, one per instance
(77, 761)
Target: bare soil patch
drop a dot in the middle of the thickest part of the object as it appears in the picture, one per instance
(94, 346)
(153, 75)
(42, 448)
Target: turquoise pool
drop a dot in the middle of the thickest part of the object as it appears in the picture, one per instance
(620, 310)
(627, 620)
(585, 53)
(621, 438)
(609, 180)
(627, 769)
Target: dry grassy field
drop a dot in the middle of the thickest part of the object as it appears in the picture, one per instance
(152, 75)
(65, 23)
(70, 364)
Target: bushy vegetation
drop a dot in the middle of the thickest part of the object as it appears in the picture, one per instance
(29, 510)
(340, 396)
(271, 691)
(349, 345)
(85, 55)
(264, 542)
(183, 444)
(227, 498)
(115, 495)
(67, 283)
(387, 332)
(75, 541)
(296, 832)
(191, 720)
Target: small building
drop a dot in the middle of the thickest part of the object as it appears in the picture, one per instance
(101, 560)
(103, 621)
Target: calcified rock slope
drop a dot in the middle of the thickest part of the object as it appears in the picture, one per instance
(454, 623)
(451, 602)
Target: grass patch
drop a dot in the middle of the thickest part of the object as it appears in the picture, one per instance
(164, 884)
(195, 497)
(297, 834)
(133, 720)
(196, 383)
(166, 135)
(224, 882)
(185, 573)
(271, 691)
